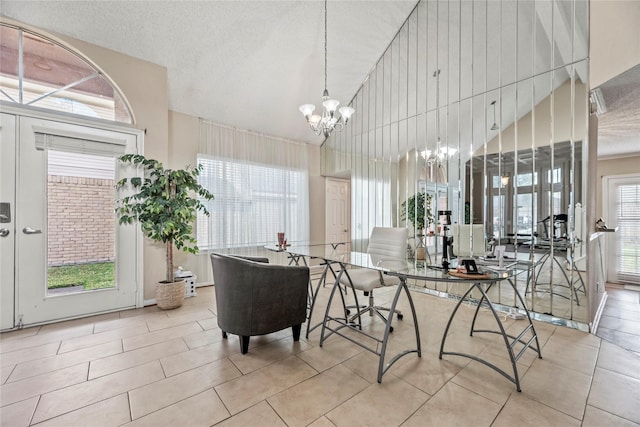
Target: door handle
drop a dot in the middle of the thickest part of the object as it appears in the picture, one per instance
(4, 232)
(29, 230)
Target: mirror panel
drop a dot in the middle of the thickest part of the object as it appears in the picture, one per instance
(482, 107)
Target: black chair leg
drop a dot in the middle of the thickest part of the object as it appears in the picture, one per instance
(224, 335)
(296, 332)
(244, 344)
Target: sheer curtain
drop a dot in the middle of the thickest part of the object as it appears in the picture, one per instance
(260, 185)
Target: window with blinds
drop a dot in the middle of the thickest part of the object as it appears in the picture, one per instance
(628, 234)
(253, 202)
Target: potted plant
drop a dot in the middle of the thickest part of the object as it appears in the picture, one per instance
(417, 209)
(165, 203)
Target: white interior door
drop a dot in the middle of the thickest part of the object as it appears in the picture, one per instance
(338, 210)
(7, 218)
(38, 143)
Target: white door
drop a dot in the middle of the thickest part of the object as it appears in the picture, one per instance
(7, 218)
(49, 154)
(338, 210)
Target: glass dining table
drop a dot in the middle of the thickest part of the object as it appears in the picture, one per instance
(338, 260)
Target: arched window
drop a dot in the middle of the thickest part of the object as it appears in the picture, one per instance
(38, 71)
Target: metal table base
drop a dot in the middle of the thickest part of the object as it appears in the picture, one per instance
(334, 325)
(510, 341)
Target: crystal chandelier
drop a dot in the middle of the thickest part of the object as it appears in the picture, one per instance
(329, 121)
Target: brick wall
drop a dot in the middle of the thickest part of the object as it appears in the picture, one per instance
(81, 220)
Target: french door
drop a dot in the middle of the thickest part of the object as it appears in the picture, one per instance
(54, 174)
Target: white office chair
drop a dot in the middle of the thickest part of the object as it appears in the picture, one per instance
(468, 240)
(385, 243)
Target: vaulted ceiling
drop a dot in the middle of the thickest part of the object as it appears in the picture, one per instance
(248, 64)
(251, 64)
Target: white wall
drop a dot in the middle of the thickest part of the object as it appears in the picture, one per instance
(614, 38)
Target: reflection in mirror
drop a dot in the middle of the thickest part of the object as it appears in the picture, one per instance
(481, 107)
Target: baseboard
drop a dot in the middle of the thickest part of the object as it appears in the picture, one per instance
(632, 288)
(596, 318)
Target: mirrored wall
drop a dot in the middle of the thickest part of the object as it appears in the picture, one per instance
(479, 109)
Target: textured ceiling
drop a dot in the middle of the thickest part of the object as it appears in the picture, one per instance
(248, 64)
(619, 127)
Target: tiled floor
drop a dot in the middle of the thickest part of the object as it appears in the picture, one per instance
(620, 320)
(149, 367)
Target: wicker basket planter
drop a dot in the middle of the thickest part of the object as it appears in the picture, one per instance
(170, 295)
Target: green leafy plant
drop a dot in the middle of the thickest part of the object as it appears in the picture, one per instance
(417, 209)
(165, 204)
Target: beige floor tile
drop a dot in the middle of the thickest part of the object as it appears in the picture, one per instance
(27, 354)
(576, 336)
(19, 333)
(46, 338)
(134, 312)
(91, 320)
(111, 412)
(203, 338)
(322, 422)
(614, 358)
(200, 356)
(64, 360)
(579, 357)
(261, 356)
(127, 321)
(385, 404)
(616, 393)
(34, 386)
(210, 323)
(333, 352)
(161, 394)
(309, 400)
(522, 412)
(80, 395)
(459, 340)
(594, 417)
(486, 381)
(261, 415)
(5, 372)
(250, 389)
(138, 341)
(101, 338)
(366, 363)
(526, 359)
(428, 373)
(18, 414)
(183, 318)
(129, 359)
(454, 406)
(560, 388)
(202, 410)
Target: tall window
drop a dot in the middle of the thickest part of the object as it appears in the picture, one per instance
(253, 202)
(628, 235)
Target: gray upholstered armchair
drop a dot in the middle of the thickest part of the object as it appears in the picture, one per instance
(257, 298)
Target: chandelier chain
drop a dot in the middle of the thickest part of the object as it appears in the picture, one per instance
(325, 45)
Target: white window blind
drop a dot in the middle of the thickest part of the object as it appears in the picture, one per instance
(253, 202)
(628, 234)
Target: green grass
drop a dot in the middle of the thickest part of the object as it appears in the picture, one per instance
(91, 276)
